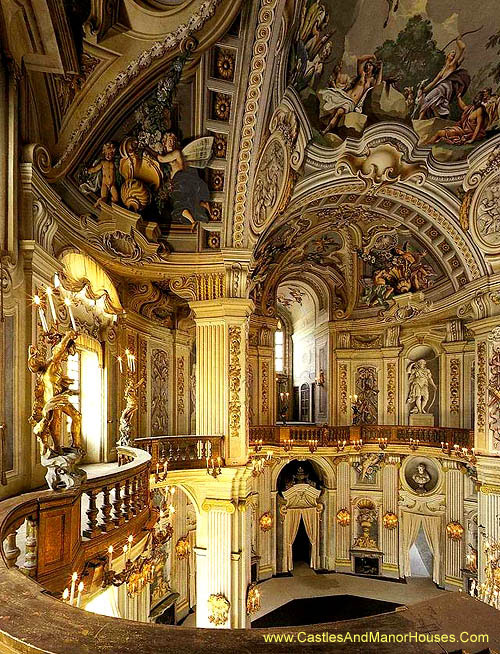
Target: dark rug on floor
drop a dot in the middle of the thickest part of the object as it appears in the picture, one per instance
(314, 610)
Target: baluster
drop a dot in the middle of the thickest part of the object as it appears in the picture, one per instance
(11, 550)
(117, 506)
(30, 557)
(92, 529)
(106, 523)
(126, 500)
(133, 496)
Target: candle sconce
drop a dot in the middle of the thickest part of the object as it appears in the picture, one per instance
(313, 445)
(382, 443)
(288, 445)
(341, 445)
(357, 444)
(414, 443)
(257, 445)
(284, 403)
(214, 466)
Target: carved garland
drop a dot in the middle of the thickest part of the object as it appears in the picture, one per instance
(264, 33)
(343, 388)
(159, 393)
(455, 386)
(234, 381)
(264, 390)
(143, 353)
(180, 385)
(481, 385)
(494, 397)
(391, 387)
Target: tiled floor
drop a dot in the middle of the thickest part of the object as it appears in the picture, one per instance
(306, 583)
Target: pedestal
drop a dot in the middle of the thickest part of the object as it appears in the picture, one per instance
(421, 420)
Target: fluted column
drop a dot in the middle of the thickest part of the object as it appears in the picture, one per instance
(343, 533)
(488, 472)
(221, 389)
(390, 497)
(454, 549)
(262, 374)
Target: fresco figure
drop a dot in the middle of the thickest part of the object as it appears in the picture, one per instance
(450, 82)
(189, 195)
(471, 126)
(337, 102)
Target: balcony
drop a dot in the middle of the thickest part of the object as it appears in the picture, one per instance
(182, 452)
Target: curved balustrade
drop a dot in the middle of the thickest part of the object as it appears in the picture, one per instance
(62, 531)
(328, 435)
(182, 452)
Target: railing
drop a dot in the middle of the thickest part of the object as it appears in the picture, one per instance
(182, 452)
(329, 435)
(63, 530)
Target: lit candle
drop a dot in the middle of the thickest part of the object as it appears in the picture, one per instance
(132, 359)
(41, 313)
(65, 595)
(80, 591)
(51, 304)
(67, 302)
(74, 577)
(110, 556)
(57, 281)
(120, 363)
(165, 467)
(125, 549)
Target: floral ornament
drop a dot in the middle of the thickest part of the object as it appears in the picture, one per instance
(220, 146)
(216, 179)
(182, 548)
(225, 64)
(213, 241)
(390, 520)
(253, 599)
(455, 530)
(216, 213)
(343, 517)
(222, 106)
(218, 609)
(266, 521)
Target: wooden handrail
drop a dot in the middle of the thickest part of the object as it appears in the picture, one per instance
(182, 452)
(329, 435)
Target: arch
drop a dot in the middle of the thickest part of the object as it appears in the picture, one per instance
(329, 477)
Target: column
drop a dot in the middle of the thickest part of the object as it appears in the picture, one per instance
(221, 389)
(343, 533)
(265, 538)
(454, 549)
(488, 472)
(389, 541)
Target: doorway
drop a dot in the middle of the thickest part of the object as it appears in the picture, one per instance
(301, 548)
(421, 558)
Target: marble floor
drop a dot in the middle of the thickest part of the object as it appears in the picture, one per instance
(306, 583)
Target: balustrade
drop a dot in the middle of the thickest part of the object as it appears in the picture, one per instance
(181, 452)
(330, 435)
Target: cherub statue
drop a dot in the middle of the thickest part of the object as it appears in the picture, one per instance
(131, 406)
(107, 174)
(53, 397)
(189, 195)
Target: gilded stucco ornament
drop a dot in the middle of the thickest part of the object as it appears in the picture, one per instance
(381, 166)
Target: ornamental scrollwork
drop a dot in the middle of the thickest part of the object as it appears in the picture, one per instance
(455, 386)
(234, 380)
(481, 385)
(343, 387)
(159, 392)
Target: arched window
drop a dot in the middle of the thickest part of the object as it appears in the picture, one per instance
(279, 350)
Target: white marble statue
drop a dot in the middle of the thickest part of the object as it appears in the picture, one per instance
(420, 378)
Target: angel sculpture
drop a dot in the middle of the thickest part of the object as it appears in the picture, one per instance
(368, 466)
(52, 402)
(131, 406)
(189, 195)
(102, 176)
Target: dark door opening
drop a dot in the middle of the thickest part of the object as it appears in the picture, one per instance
(301, 548)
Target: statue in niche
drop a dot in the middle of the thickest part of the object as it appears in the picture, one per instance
(131, 406)
(420, 378)
(421, 478)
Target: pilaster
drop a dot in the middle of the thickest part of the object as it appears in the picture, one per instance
(390, 537)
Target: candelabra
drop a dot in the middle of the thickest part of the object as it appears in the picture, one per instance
(257, 445)
(460, 452)
(288, 445)
(258, 466)
(357, 444)
(214, 466)
(341, 445)
(414, 442)
(68, 595)
(382, 443)
(313, 445)
(284, 400)
(161, 471)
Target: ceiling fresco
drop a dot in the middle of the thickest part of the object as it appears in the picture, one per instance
(430, 64)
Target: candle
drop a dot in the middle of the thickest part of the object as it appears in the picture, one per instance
(80, 591)
(51, 304)
(57, 281)
(41, 313)
(65, 595)
(165, 467)
(120, 363)
(110, 556)
(74, 577)
(125, 549)
(67, 302)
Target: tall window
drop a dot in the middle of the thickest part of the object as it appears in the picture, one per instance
(279, 350)
(83, 368)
